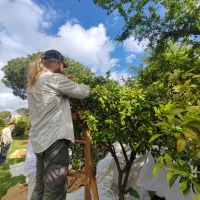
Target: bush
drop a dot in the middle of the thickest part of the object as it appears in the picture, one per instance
(21, 127)
(4, 120)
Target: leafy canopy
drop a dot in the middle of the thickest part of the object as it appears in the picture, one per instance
(158, 21)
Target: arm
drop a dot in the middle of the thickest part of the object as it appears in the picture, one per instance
(69, 88)
(3, 136)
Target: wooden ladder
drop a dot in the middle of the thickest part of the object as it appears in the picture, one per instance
(88, 174)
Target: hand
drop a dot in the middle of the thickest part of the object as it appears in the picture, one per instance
(70, 78)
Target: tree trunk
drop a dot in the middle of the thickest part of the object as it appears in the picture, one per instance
(120, 186)
(121, 197)
(123, 174)
(128, 168)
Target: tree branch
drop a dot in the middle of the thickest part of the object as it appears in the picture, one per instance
(124, 152)
(128, 167)
(105, 144)
(181, 32)
(113, 153)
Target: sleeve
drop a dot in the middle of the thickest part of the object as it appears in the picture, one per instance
(69, 88)
(3, 136)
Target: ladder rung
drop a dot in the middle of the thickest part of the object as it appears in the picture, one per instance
(76, 173)
(79, 141)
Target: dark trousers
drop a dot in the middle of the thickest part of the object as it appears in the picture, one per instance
(51, 174)
(2, 159)
(4, 152)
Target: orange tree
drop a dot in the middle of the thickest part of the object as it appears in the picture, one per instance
(180, 119)
(121, 113)
(172, 80)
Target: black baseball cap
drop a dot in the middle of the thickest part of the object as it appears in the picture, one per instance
(54, 54)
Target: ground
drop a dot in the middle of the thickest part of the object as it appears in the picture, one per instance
(5, 178)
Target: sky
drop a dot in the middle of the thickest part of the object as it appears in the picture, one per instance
(79, 30)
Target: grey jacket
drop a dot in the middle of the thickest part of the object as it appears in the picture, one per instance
(50, 111)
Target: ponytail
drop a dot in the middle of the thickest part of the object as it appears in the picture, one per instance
(35, 70)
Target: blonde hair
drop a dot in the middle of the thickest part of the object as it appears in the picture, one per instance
(36, 68)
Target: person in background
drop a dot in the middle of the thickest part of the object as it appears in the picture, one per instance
(6, 141)
(48, 93)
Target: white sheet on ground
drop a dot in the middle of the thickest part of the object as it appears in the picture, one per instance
(107, 178)
(30, 160)
(107, 175)
(159, 183)
(17, 169)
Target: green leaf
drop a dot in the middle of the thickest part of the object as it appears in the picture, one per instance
(194, 198)
(197, 186)
(177, 111)
(155, 170)
(181, 162)
(169, 176)
(168, 159)
(196, 76)
(173, 179)
(133, 193)
(181, 144)
(183, 186)
(194, 123)
(194, 180)
(180, 172)
(154, 137)
(187, 190)
(190, 134)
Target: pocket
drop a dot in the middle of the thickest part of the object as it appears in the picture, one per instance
(55, 178)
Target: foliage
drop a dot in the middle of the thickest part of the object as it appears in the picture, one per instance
(21, 127)
(157, 21)
(132, 192)
(5, 177)
(5, 117)
(179, 119)
(16, 74)
(185, 172)
(176, 103)
(22, 111)
(120, 113)
(196, 198)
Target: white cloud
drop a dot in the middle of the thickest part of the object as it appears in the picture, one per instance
(129, 59)
(115, 75)
(7, 100)
(91, 47)
(115, 20)
(22, 31)
(135, 46)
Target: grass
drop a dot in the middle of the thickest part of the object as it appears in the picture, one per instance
(18, 143)
(6, 181)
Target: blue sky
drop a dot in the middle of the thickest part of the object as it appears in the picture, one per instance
(80, 30)
(88, 15)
